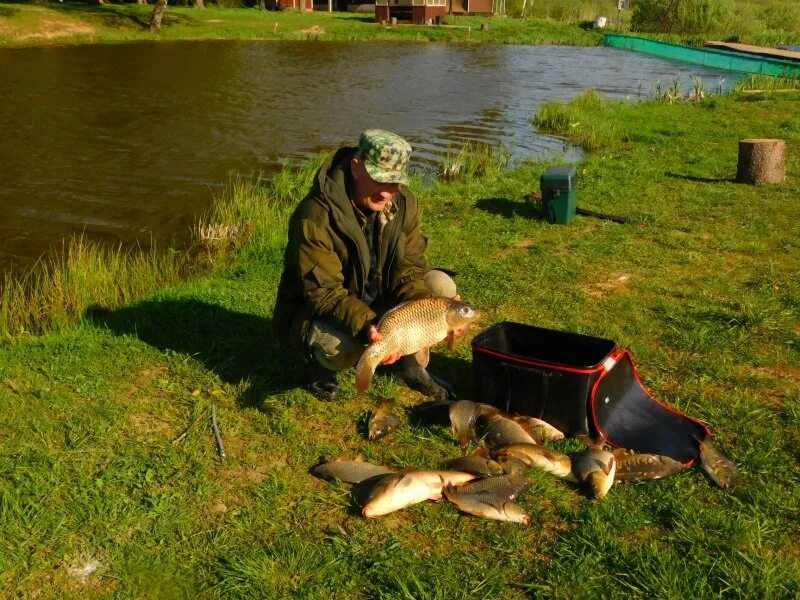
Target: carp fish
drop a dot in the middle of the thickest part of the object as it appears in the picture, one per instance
(381, 421)
(508, 487)
(463, 415)
(539, 430)
(412, 328)
(349, 471)
(486, 504)
(501, 431)
(595, 467)
(398, 490)
(721, 470)
(533, 455)
(478, 463)
(633, 467)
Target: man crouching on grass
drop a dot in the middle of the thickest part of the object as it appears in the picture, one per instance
(355, 250)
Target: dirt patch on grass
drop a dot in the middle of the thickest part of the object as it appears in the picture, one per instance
(149, 427)
(145, 377)
(785, 372)
(49, 29)
(600, 288)
(518, 245)
(313, 30)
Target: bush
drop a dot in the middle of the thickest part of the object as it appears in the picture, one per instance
(572, 11)
(782, 17)
(686, 16)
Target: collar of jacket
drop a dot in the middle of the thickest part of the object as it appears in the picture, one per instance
(331, 184)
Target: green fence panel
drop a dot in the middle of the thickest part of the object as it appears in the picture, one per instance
(709, 57)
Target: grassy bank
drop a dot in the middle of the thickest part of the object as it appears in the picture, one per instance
(767, 22)
(25, 25)
(110, 485)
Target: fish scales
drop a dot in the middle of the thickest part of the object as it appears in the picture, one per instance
(485, 504)
(409, 328)
(645, 466)
(501, 431)
(415, 325)
(596, 467)
(721, 470)
(509, 487)
(349, 471)
(400, 490)
(479, 465)
(533, 455)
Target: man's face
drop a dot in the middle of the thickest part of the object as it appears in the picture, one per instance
(370, 194)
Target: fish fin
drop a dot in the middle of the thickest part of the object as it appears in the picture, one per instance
(447, 490)
(618, 452)
(487, 410)
(343, 456)
(366, 367)
(423, 357)
(593, 442)
(483, 452)
(358, 457)
(450, 340)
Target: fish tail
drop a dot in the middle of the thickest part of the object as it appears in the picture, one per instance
(367, 364)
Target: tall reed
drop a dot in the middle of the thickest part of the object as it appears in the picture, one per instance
(584, 120)
(249, 215)
(59, 288)
(474, 160)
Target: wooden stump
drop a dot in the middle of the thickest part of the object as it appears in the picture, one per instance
(761, 161)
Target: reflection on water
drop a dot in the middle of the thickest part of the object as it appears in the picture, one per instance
(130, 141)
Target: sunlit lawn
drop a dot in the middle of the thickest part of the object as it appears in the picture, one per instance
(101, 494)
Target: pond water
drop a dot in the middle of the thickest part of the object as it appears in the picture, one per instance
(130, 141)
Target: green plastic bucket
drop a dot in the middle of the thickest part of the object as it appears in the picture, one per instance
(559, 187)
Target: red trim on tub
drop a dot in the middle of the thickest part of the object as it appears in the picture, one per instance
(549, 365)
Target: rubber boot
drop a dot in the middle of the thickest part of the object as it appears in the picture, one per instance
(323, 383)
(419, 379)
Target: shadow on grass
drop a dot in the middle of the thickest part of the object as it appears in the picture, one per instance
(238, 347)
(455, 371)
(364, 19)
(120, 18)
(701, 179)
(6, 11)
(511, 208)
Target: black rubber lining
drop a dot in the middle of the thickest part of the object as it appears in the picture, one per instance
(631, 418)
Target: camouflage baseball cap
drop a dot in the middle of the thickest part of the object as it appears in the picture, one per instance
(385, 156)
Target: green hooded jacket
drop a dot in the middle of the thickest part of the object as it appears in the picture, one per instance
(327, 259)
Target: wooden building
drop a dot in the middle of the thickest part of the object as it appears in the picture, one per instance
(470, 7)
(418, 12)
(304, 5)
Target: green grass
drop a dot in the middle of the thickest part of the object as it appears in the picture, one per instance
(23, 25)
(95, 470)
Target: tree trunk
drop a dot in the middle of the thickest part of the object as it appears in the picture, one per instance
(261, 5)
(199, 4)
(141, 2)
(761, 161)
(158, 13)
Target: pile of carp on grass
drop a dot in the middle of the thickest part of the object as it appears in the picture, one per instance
(488, 481)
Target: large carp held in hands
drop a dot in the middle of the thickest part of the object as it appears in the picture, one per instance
(412, 328)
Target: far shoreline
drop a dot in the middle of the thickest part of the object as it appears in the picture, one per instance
(65, 24)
